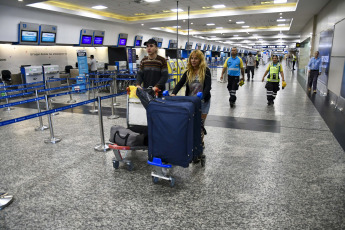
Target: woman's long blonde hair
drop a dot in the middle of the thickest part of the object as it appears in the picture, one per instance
(191, 73)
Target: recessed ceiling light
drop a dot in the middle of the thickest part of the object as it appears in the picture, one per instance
(176, 10)
(99, 7)
(281, 17)
(218, 6)
(219, 28)
(281, 13)
(281, 24)
(152, 0)
(176, 26)
(229, 20)
(142, 24)
(280, 1)
(240, 22)
(281, 20)
(245, 26)
(210, 24)
(235, 35)
(20, 0)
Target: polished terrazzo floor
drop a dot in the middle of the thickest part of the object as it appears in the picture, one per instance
(277, 167)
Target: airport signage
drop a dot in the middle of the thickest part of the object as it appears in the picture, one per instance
(269, 47)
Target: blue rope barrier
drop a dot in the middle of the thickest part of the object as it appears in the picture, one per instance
(17, 95)
(59, 79)
(21, 102)
(21, 89)
(9, 86)
(15, 120)
(126, 79)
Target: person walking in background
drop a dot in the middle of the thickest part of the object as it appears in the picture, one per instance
(197, 78)
(250, 63)
(314, 70)
(153, 70)
(234, 66)
(257, 60)
(272, 85)
(294, 58)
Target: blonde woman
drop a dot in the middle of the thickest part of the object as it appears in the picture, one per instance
(197, 78)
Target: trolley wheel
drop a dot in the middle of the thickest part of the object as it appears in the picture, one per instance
(130, 166)
(155, 179)
(116, 164)
(172, 182)
(203, 160)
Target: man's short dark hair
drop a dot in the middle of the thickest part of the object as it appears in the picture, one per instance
(91, 56)
(151, 41)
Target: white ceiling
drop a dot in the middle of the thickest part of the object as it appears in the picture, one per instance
(262, 21)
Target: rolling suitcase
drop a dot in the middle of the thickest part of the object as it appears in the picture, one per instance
(198, 149)
(170, 131)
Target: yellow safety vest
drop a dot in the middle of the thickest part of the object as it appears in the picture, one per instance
(274, 73)
(294, 58)
(257, 57)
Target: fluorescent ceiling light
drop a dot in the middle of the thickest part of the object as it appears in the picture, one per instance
(99, 7)
(245, 26)
(152, 0)
(210, 24)
(218, 6)
(240, 22)
(176, 26)
(280, 1)
(235, 35)
(219, 28)
(281, 24)
(176, 10)
(281, 20)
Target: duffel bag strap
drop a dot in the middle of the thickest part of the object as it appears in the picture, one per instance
(123, 138)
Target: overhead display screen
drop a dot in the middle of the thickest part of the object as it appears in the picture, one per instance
(86, 39)
(29, 36)
(138, 43)
(98, 40)
(159, 44)
(48, 37)
(122, 41)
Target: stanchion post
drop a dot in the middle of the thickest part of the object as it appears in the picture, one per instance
(70, 101)
(88, 87)
(41, 127)
(52, 138)
(115, 91)
(49, 101)
(103, 147)
(113, 116)
(7, 100)
(93, 110)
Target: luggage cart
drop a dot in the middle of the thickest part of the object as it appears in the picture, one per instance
(136, 117)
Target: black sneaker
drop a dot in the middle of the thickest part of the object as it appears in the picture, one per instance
(232, 104)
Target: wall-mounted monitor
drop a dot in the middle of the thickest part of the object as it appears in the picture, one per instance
(122, 40)
(138, 40)
(98, 40)
(29, 36)
(48, 37)
(98, 37)
(28, 33)
(86, 40)
(86, 37)
(189, 45)
(172, 44)
(159, 41)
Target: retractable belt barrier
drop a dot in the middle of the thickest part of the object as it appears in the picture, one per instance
(9, 86)
(19, 119)
(21, 89)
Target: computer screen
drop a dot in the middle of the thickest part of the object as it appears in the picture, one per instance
(138, 42)
(98, 40)
(48, 37)
(122, 41)
(29, 36)
(159, 44)
(86, 39)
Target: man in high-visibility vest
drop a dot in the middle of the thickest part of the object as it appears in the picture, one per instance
(294, 59)
(234, 66)
(272, 85)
